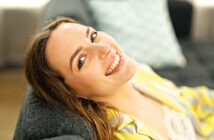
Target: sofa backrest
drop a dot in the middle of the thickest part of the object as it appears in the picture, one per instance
(76, 9)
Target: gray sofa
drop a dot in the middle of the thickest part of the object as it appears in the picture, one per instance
(39, 120)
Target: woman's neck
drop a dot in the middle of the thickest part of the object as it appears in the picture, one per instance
(126, 99)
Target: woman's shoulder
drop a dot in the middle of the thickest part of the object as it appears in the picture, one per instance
(132, 128)
(145, 74)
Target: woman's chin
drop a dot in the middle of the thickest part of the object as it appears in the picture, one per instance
(129, 68)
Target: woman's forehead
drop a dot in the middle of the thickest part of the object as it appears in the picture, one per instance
(65, 32)
(69, 27)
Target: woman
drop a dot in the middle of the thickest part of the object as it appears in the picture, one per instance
(84, 71)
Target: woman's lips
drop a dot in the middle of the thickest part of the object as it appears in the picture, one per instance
(116, 63)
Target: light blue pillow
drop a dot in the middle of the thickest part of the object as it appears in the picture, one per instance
(142, 28)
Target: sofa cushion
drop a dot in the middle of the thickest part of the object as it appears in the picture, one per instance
(200, 67)
(142, 28)
(75, 9)
(39, 120)
(66, 137)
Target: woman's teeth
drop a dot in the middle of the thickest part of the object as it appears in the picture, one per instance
(114, 65)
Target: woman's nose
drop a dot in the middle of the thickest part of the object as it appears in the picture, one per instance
(99, 49)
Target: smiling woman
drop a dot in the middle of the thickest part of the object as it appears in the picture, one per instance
(70, 56)
(85, 71)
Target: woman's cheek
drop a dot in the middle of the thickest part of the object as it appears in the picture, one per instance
(85, 83)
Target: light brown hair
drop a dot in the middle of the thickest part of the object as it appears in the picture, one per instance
(49, 84)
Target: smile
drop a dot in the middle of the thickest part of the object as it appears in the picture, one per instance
(115, 66)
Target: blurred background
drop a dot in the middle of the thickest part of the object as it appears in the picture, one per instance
(19, 19)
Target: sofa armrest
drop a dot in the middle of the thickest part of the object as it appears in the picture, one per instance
(40, 120)
(181, 16)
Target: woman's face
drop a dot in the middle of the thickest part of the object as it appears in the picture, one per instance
(90, 61)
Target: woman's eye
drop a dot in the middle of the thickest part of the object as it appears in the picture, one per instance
(81, 61)
(93, 36)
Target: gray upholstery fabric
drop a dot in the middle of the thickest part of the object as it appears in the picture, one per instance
(75, 9)
(39, 120)
(67, 137)
(200, 67)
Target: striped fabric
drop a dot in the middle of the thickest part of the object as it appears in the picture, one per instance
(195, 103)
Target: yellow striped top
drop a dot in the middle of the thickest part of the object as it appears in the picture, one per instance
(196, 103)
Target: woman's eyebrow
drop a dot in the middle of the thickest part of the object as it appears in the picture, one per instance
(87, 31)
(74, 55)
